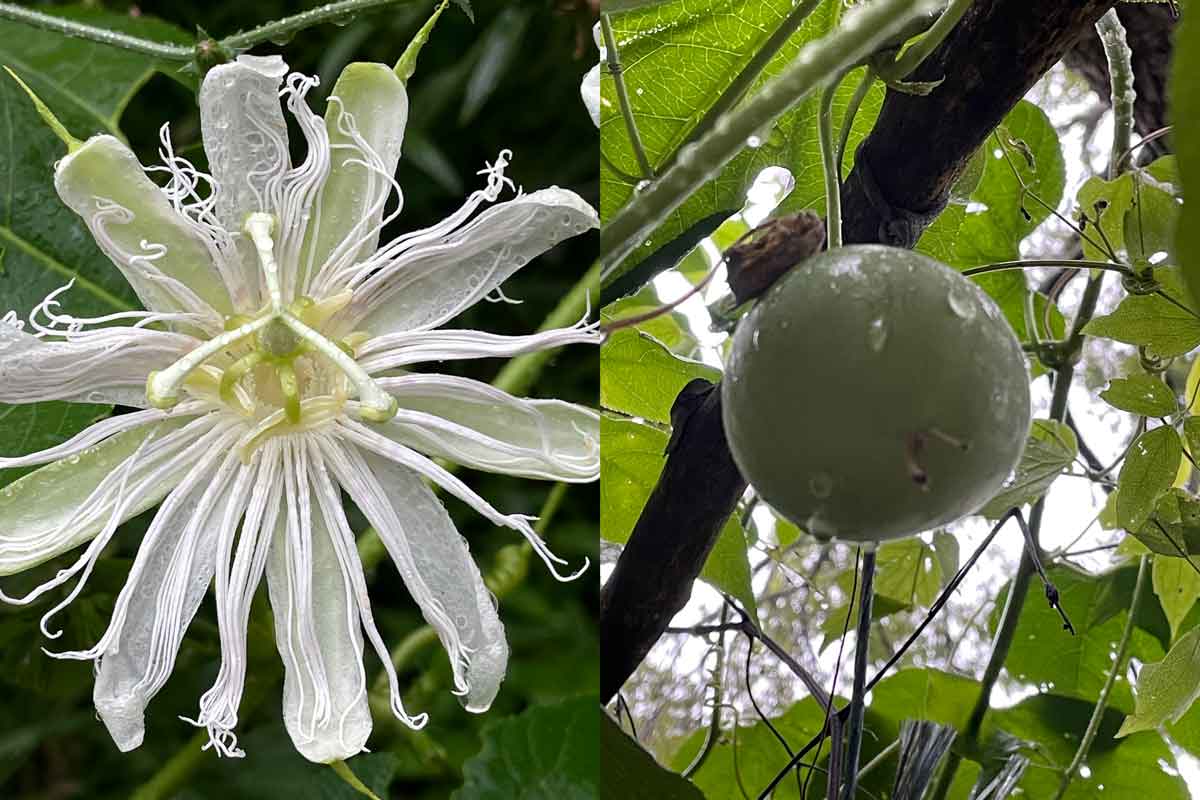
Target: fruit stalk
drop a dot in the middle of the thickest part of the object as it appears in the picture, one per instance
(862, 642)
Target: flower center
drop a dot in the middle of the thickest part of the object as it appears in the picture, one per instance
(283, 349)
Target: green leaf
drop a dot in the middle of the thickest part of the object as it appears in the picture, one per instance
(1174, 528)
(1191, 433)
(1153, 321)
(547, 752)
(640, 377)
(1177, 584)
(671, 329)
(1139, 212)
(1185, 104)
(497, 51)
(1166, 689)
(1147, 474)
(1135, 767)
(631, 772)
(995, 234)
(1141, 394)
(37, 426)
(702, 46)
(945, 545)
(1050, 449)
(631, 458)
(1044, 655)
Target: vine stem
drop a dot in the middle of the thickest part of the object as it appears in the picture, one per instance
(919, 50)
(1032, 263)
(613, 58)
(830, 159)
(80, 30)
(862, 642)
(860, 34)
(278, 29)
(1089, 735)
(1120, 70)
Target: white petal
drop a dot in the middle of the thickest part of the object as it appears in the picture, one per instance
(479, 426)
(60, 506)
(434, 561)
(414, 347)
(375, 442)
(431, 284)
(245, 136)
(368, 109)
(166, 261)
(237, 578)
(316, 627)
(589, 90)
(330, 500)
(169, 578)
(103, 366)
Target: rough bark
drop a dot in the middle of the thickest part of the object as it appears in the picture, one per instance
(916, 150)
(905, 168)
(652, 581)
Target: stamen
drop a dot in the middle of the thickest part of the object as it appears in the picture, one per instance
(377, 405)
(234, 374)
(162, 387)
(259, 226)
(291, 391)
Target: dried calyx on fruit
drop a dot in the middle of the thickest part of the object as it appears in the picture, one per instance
(875, 393)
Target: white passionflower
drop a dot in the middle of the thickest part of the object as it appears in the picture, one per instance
(270, 368)
(589, 89)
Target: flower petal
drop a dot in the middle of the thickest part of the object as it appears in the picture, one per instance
(60, 506)
(479, 426)
(245, 136)
(109, 365)
(394, 350)
(316, 627)
(166, 261)
(589, 90)
(430, 284)
(237, 578)
(169, 578)
(434, 561)
(368, 109)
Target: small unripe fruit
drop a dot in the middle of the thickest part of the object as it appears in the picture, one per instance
(875, 393)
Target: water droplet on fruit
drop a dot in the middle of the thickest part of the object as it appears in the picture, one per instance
(877, 334)
(821, 485)
(754, 340)
(960, 303)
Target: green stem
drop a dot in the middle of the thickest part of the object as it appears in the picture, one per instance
(289, 26)
(745, 78)
(862, 640)
(175, 772)
(1007, 628)
(856, 101)
(517, 377)
(613, 58)
(872, 25)
(80, 30)
(911, 58)
(829, 163)
(1032, 263)
(1120, 70)
(1089, 735)
(717, 684)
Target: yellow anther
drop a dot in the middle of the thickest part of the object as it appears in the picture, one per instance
(291, 391)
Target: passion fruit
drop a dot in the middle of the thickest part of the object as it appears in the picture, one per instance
(875, 393)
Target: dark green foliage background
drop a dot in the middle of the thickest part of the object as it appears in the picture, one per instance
(467, 102)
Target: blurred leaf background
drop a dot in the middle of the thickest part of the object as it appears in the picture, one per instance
(509, 79)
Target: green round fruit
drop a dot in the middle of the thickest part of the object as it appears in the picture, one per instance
(874, 393)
